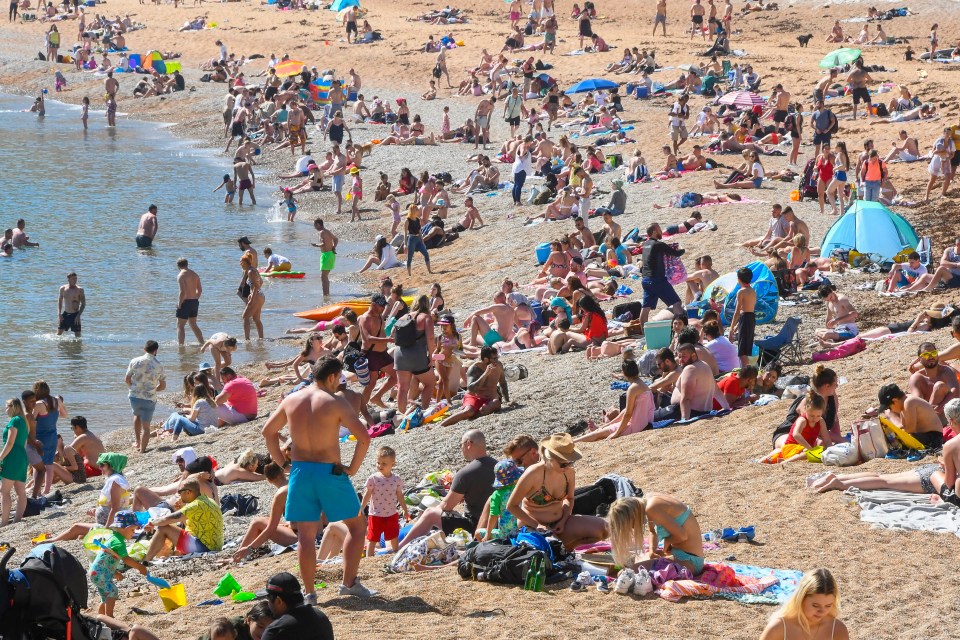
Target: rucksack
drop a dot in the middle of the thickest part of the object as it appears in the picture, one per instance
(43, 598)
(869, 440)
(405, 332)
(499, 561)
(595, 500)
(245, 504)
(437, 72)
(835, 127)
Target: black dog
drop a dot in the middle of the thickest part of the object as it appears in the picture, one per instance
(803, 40)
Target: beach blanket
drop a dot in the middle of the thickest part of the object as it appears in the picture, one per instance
(670, 423)
(628, 127)
(906, 511)
(749, 584)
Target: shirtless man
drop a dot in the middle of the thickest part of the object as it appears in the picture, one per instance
(350, 24)
(374, 343)
(907, 149)
(694, 391)
(319, 482)
(744, 320)
(245, 179)
(820, 91)
(695, 161)
(858, 79)
(148, 228)
(700, 278)
(913, 414)
(239, 124)
(111, 85)
(328, 253)
(482, 118)
(295, 128)
(500, 330)
(582, 238)
(841, 321)
(663, 386)
(471, 219)
(727, 15)
(661, 17)
(19, 239)
(934, 382)
(188, 304)
(610, 229)
(795, 227)
(486, 382)
(780, 110)
(87, 444)
(697, 11)
(70, 305)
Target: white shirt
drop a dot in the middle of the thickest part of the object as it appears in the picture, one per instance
(388, 258)
(223, 53)
(725, 353)
(276, 260)
(303, 163)
(522, 163)
(675, 112)
(757, 170)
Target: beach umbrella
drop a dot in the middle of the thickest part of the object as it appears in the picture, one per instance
(840, 57)
(288, 68)
(591, 84)
(741, 99)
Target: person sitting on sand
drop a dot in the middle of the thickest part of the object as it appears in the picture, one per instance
(754, 180)
(914, 415)
(700, 278)
(242, 470)
(695, 388)
(668, 520)
(824, 382)
(87, 444)
(836, 33)
(811, 611)
(115, 496)
(807, 431)
(907, 150)
(932, 381)
(635, 417)
(500, 329)
(905, 275)
(841, 322)
(190, 466)
(203, 530)
(486, 384)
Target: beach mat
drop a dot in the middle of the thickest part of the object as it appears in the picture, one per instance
(662, 424)
(758, 585)
(900, 511)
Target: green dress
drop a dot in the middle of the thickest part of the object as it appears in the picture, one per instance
(14, 466)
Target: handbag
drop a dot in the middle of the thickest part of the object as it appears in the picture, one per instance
(869, 440)
(673, 268)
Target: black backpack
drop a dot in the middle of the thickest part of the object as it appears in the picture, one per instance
(43, 598)
(500, 561)
(245, 504)
(405, 332)
(596, 499)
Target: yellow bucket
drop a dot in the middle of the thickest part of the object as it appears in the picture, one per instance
(174, 597)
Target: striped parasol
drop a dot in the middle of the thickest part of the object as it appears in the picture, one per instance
(742, 99)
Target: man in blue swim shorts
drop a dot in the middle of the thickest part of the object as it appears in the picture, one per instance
(319, 483)
(653, 273)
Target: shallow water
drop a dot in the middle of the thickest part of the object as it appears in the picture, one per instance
(82, 196)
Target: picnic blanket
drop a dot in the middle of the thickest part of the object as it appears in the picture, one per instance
(751, 585)
(906, 511)
(669, 423)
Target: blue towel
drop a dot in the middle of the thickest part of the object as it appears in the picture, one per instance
(619, 385)
(777, 594)
(669, 423)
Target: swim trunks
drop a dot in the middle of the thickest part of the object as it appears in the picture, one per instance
(475, 402)
(338, 183)
(660, 19)
(245, 184)
(144, 242)
(697, 19)
(491, 337)
(377, 360)
(932, 440)
(236, 131)
(70, 322)
(861, 94)
(654, 291)
(188, 543)
(925, 471)
(327, 260)
(847, 331)
(780, 115)
(314, 489)
(188, 309)
(748, 327)
(387, 526)
(91, 471)
(483, 121)
(352, 27)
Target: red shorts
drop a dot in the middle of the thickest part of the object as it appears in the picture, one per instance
(92, 471)
(389, 526)
(475, 402)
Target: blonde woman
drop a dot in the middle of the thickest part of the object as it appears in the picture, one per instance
(811, 612)
(13, 462)
(668, 520)
(243, 470)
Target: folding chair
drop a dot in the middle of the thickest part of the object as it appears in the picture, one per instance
(784, 347)
(924, 248)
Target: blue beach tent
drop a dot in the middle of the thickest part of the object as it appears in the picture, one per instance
(870, 228)
(724, 289)
(340, 5)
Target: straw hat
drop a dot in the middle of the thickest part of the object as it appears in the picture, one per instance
(561, 447)
(939, 310)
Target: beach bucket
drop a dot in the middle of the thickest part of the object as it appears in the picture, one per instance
(227, 586)
(543, 252)
(643, 92)
(174, 597)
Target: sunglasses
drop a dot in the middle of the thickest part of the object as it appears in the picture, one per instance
(564, 465)
(929, 355)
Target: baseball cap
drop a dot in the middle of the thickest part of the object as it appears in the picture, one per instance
(187, 454)
(283, 584)
(888, 393)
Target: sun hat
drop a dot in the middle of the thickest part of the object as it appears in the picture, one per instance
(117, 461)
(561, 447)
(617, 184)
(124, 519)
(939, 311)
(354, 170)
(506, 473)
(205, 366)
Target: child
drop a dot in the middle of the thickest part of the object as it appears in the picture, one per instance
(431, 93)
(291, 203)
(223, 629)
(807, 430)
(744, 318)
(448, 365)
(533, 118)
(394, 207)
(106, 565)
(501, 523)
(383, 188)
(85, 112)
(230, 188)
(384, 491)
(356, 193)
(59, 81)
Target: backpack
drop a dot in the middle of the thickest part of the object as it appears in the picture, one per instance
(499, 561)
(835, 126)
(437, 72)
(43, 598)
(245, 504)
(868, 440)
(595, 500)
(405, 332)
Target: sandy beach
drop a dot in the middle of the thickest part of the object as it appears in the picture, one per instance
(894, 584)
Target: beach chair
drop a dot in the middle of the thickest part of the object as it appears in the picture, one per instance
(784, 348)
(924, 248)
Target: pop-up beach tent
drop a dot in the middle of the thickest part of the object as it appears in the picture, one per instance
(870, 228)
(340, 5)
(724, 289)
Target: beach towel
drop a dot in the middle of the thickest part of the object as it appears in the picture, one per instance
(749, 585)
(669, 423)
(906, 511)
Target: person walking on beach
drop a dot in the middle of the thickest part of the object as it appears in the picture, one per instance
(14, 6)
(857, 80)
(70, 304)
(697, 12)
(514, 109)
(246, 181)
(146, 378)
(482, 118)
(319, 482)
(147, 230)
(654, 276)
(188, 304)
(328, 253)
(661, 17)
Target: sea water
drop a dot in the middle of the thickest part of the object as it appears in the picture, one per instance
(82, 195)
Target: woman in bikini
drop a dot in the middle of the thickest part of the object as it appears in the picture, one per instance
(668, 520)
(221, 348)
(251, 312)
(543, 497)
(635, 417)
(810, 613)
(558, 262)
